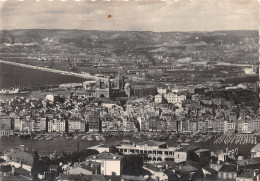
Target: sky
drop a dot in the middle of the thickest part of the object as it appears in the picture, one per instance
(131, 15)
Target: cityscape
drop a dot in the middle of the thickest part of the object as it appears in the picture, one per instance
(115, 104)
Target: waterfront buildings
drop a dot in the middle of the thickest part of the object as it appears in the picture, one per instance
(6, 127)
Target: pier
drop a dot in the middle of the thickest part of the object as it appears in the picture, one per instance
(85, 76)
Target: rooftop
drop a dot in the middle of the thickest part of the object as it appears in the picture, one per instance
(228, 168)
(90, 165)
(151, 143)
(82, 177)
(105, 156)
(256, 148)
(188, 148)
(248, 174)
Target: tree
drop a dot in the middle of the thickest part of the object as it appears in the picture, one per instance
(2, 160)
(132, 165)
(38, 166)
(5, 168)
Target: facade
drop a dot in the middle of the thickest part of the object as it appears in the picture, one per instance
(17, 123)
(110, 163)
(76, 125)
(5, 126)
(86, 168)
(228, 172)
(103, 88)
(155, 150)
(57, 125)
(174, 98)
(184, 154)
(255, 151)
(248, 175)
(158, 98)
(26, 126)
(94, 123)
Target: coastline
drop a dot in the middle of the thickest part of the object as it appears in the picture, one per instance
(85, 76)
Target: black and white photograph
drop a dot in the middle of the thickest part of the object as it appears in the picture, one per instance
(129, 90)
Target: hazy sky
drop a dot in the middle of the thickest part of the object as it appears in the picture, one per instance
(151, 15)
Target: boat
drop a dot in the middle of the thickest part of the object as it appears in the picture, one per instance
(48, 138)
(98, 138)
(13, 91)
(37, 137)
(89, 138)
(83, 138)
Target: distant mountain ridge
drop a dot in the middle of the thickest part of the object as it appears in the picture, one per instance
(114, 38)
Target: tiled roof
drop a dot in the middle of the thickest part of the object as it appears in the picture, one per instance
(18, 155)
(228, 168)
(133, 178)
(22, 171)
(18, 177)
(151, 143)
(188, 148)
(90, 165)
(256, 148)
(152, 167)
(105, 156)
(247, 174)
(82, 177)
(210, 170)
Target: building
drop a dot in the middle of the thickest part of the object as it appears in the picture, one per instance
(75, 124)
(185, 154)
(174, 98)
(158, 98)
(17, 123)
(228, 172)
(86, 168)
(19, 158)
(103, 88)
(110, 163)
(26, 126)
(141, 90)
(248, 175)
(155, 150)
(58, 125)
(70, 177)
(94, 123)
(255, 151)
(52, 98)
(203, 157)
(6, 126)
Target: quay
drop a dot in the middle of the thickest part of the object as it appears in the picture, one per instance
(85, 76)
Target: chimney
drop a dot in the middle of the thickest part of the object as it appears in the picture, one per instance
(13, 170)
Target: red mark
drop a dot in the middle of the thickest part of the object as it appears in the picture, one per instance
(109, 16)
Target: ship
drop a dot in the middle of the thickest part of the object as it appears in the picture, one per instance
(15, 91)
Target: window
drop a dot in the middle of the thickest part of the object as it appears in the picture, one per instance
(102, 163)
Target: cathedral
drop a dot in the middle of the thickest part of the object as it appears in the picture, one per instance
(112, 88)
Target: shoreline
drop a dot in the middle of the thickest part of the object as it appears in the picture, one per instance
(85, 76)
